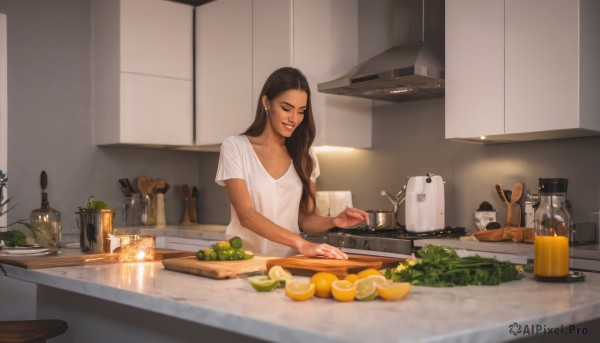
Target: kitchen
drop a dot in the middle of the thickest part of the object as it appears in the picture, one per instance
(50, 128)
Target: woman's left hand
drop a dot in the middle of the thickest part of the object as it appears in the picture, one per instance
(350, 217)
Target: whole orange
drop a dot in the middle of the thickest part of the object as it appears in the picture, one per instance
(323, 281)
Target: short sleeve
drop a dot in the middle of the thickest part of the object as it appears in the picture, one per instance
(230, 162)
(316, 170)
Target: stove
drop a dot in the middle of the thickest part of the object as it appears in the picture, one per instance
(381, 242)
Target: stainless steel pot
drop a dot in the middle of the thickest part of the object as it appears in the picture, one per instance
(381, 219)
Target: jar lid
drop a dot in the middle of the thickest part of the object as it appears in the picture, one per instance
(553, 185)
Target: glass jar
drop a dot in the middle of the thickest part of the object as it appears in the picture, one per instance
(553, 231)
(45, 223)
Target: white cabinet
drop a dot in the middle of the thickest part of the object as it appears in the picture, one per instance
(223, 70)
(319, 37)
(522, 70)
(142, 62)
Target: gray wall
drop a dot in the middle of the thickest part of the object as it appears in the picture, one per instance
(49, 120)
(50, 129)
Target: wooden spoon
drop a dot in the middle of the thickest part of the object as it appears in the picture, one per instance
(517, 193)
(159, 185)
(144, 184)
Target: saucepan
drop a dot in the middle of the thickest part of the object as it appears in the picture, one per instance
(381, 219)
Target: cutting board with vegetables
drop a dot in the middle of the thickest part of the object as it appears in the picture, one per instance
(307, 266)
(67, 260)
(217, 269)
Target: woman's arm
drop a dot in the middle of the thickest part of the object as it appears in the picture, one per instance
(259, 224)
(348, 218)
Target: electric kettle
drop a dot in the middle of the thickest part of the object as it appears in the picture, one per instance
(424, 204)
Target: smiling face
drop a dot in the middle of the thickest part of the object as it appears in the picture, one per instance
(286, 111)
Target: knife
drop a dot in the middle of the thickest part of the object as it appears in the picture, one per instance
(502, 196)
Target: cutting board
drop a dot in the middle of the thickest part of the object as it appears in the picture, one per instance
(307, 266)
(36, 262)
(217, 269)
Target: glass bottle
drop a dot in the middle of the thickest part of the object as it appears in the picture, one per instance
(553, 231)
(45, 221)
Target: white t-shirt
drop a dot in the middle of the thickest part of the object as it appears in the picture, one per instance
(278, 200)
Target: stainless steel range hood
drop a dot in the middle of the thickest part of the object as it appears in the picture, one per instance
(408, 72)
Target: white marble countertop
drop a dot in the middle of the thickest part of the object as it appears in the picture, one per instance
(459, 314)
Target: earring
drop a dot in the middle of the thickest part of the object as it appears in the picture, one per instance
(267, 111)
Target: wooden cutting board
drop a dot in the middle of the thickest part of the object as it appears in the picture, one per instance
(36, 262)
(307, 266)
(217, 269)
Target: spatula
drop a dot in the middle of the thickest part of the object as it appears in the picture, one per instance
(515, 207)
(502, 196)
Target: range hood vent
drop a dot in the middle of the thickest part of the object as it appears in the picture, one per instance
(408, 72)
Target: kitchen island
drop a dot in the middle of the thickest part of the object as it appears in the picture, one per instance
(118, 302)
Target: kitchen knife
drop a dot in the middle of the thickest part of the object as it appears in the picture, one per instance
(502, 196)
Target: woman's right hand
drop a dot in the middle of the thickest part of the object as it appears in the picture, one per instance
(314, 249)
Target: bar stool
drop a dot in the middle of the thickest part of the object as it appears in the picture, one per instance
(31, 331)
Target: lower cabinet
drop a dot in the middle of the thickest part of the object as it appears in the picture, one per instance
(186, 244)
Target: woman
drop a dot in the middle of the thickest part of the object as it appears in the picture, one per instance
(270, 174)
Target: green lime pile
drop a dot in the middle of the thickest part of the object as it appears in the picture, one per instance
(225, 251)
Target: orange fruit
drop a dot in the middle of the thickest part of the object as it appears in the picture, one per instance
(322, 282)
(351, 277)
(370, 271)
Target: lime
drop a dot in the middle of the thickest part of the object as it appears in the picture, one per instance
(200, 255)
(262, 283)
(238, 255)
(236, 242)
(248, 255)
(223, 255)
(222, 245)
(213, 256)
(206, 253)
(366, 289)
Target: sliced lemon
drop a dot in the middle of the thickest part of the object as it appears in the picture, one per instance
(299, 291)
(366, 289)
(262, 283)
(370, 271)
(322, 281)
(379, 279)
(393, 291)
(343, 290)
(279, 273)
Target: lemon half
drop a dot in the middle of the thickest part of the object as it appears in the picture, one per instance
(366, 289)
(343, 290)
(393, 291)
(299, 291)
(262, 283)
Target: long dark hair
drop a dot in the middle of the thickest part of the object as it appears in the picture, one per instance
(299, 143)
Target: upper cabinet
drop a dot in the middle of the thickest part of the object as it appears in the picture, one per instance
(240, 42)
(142, 72)
(522, 70)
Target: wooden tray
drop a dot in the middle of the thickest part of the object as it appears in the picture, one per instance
(307, 266)
(217, 269)
(36, 262)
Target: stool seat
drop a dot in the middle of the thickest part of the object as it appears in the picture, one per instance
(26, 331)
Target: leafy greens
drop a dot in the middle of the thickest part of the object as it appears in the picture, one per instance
(442, 267)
